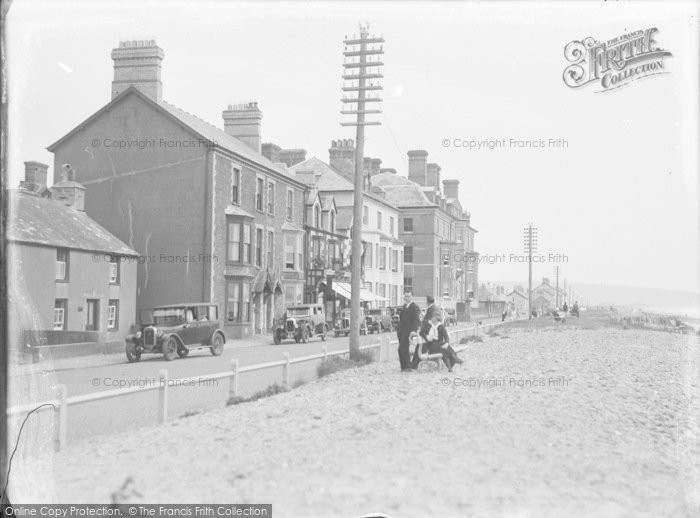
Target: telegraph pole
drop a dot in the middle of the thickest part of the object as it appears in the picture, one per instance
(356, 54)
(530, 247)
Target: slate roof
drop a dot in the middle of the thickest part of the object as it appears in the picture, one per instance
(203, 129)
(43, 221)
(327, 178)
(402, 192)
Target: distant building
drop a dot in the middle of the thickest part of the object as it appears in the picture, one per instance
(383, 252)
(215, 220)
(549, 293)
(439, 255)
(519, 300)
(73, 283)
(492, 300)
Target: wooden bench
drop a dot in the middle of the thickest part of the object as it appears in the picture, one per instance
(426, 360)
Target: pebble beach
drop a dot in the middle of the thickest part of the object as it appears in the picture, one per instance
(556, 420)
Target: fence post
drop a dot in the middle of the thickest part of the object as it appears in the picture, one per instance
(163, 396)
(285, 371)
(62, 418)
(324, 350)
(233, 384)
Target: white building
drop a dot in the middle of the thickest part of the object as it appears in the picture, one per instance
(382, 260)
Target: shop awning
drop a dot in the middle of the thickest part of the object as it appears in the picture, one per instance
(344, 290)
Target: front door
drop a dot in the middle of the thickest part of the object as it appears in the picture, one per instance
(92, 317)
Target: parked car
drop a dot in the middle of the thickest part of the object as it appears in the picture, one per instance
(301, 322)
(378, 320)
(175, 330)
(450, 317)
(395, 316)
(342, 325)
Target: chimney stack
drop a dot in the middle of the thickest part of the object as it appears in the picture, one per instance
(342, 158)
(271, 152)
(433, 176)
(417, 166)
(451, 188)
(68, 191)
(243, 121)
(138, 63)
(36, 173)
(292, 157)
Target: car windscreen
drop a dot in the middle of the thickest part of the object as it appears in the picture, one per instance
(164, 316)
(298, 312)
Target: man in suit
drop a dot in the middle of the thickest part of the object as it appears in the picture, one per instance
(409, 321)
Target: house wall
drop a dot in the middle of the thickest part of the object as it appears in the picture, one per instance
(32, 269)
(222, 165)
(373, 236)
(151, 198)
(426, 249)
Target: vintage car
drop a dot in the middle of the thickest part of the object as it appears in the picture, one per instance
(379, 320)
(395, 316)
(342, 325)
(175, 330)
(301, 322)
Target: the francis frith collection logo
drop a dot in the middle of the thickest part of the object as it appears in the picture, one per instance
(616, 62)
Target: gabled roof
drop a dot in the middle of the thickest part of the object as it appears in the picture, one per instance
(327, 202)
(327, 178)
(43, 221)
(312, 196)
(200, 127)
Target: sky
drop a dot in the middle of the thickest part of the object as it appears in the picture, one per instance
(618, 205)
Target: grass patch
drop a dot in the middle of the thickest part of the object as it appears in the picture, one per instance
(298, 383)
(339, 363)
(190, 413)
(471, 338)
(271, 390)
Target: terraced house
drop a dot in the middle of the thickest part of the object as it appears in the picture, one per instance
(211, 218)
(382, 260)
(439, 255)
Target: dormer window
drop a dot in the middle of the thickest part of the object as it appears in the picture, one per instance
(332, 221)
(62, 264)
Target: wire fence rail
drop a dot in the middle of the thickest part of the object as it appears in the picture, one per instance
(60, 404)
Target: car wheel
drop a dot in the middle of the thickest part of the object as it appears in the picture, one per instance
(277, 337)
(170, 348)
(132, 354)
(183, 351)
(323, 333)
(217, 345)
(304, 335)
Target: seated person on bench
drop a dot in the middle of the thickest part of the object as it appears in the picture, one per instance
(437, 341)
